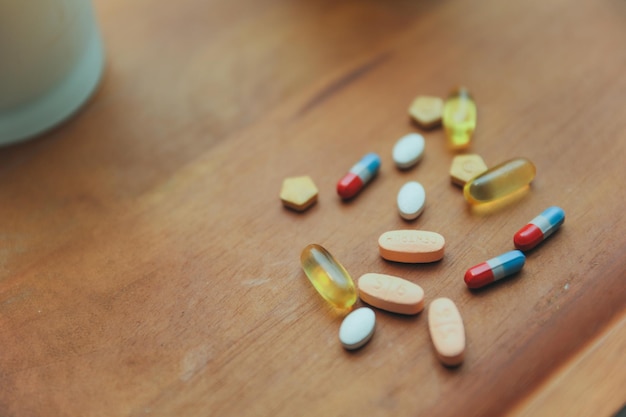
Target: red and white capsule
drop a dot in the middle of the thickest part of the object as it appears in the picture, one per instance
(358, 176)
(494, 269)
(539, 228)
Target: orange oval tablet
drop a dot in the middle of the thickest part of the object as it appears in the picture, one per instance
(391, 293)
(446, 331)
(411, 246)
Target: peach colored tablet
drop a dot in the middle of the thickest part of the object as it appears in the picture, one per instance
(411, 246)
(391, 293)
(446, 331)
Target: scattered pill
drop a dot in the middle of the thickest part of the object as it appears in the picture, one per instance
(494, 269)
(539, 228)
(408, 150)
(411, 246)
(328, 276)
(298, 193)
(357, 328)
(459, 119)
(359, 175)
(426, 111)
(466, 167)
(499, 181)
(411, 200)
(446, 331)
(391, 293)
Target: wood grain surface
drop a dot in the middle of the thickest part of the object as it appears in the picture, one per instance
(147, 266)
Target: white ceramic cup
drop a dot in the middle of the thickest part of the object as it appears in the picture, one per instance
(51, 61)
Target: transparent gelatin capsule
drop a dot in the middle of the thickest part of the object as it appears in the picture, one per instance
(499, 181)
(328, 276)
(459, 119)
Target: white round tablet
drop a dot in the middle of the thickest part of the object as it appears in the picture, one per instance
(357, 328)
(411, 200)
(408, 150)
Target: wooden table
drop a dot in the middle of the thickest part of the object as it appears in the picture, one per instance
(147, 266)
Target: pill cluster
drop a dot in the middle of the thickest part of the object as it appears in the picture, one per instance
(387, 292)
(525, 239)
(458, 115)
(481, 185)
(398, 295)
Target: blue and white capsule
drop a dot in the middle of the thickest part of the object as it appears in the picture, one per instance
(358, 176)
(494, 269)
(539, 228)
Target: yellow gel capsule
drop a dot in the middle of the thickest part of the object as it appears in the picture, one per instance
(328, 276)
(459, 119)
(499, 181)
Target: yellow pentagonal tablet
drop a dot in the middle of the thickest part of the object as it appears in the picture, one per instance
(298, 193)
(426, 111)
(466, 167)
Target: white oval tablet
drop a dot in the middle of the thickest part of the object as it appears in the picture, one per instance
(357, 328)
(408, 150)
(411, 200)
